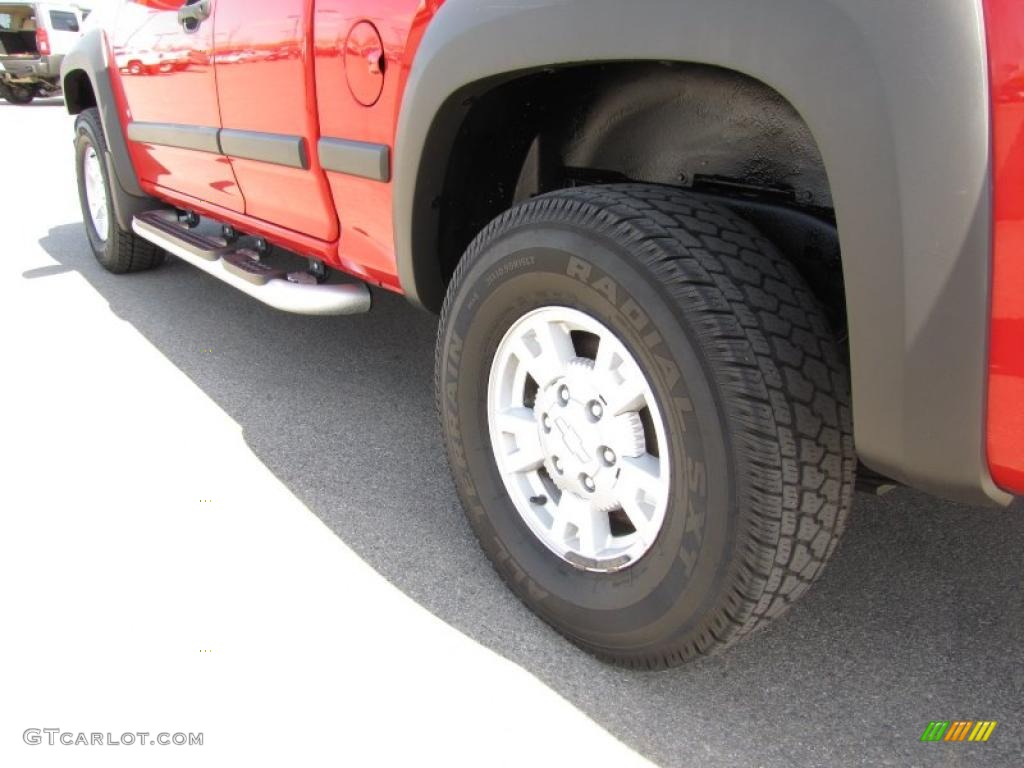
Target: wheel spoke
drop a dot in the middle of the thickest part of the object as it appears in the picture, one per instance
(528, 453)
(640, 473)
(638, 516)
(625, 389)
(95, 192)
(639, 490)
(563, 515)
(629, 395)
(546, 352)
(607, 358)
(593, 526)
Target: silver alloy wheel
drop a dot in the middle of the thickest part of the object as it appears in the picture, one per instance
(572, 438)
(95, 192)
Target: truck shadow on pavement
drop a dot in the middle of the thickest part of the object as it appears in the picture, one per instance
(919, 617)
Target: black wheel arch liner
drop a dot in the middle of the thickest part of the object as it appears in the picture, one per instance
(89, 56)
(896, 96)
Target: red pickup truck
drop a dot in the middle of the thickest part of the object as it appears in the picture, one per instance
(701, 266)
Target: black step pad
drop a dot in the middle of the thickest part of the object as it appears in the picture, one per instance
(205, 247)
(246, 265)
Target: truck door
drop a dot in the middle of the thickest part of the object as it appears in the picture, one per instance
(264, 66)
(163, 51)
(364, 51)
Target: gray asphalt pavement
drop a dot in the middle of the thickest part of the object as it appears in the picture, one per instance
(919, 617)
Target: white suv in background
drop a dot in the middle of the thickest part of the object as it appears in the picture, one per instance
(34, 37)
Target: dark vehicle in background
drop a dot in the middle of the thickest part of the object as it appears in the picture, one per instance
(34, 38)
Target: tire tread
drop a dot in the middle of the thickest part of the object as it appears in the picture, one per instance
(782, 384)
(125, 252)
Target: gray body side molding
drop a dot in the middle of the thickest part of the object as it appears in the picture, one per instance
(195, 137)
(128, 197)
(356, 158)
(896, 94)
(272, 148)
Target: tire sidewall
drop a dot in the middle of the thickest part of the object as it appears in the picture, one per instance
(672, 590)
(86, 137)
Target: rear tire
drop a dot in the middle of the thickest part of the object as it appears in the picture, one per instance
(752, 396)
(19, 94)
(118, 250)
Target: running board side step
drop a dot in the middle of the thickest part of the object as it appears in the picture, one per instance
(237, 268)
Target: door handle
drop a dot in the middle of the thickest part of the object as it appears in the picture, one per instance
(193, 13)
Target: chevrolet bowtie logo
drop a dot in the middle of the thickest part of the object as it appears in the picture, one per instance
(572, 440)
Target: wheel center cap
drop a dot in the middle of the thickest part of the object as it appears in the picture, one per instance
(572, 440)
(569, 413)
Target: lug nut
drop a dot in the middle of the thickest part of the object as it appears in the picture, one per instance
(545, 422)
(563, 394)
(608, 455)
(588, 483)
(557, 464)
(595, 409)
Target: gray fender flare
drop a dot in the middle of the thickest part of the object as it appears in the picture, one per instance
(89, 56)
(899, 109)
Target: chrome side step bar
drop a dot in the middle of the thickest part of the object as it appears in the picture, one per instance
(277, 290)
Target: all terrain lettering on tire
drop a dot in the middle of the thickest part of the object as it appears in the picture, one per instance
(457, 452)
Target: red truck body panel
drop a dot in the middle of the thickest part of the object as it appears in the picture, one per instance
(287, 67)
(1005, 20)
(265, 83)
(339, 69)
(167, 77)
(365, 207)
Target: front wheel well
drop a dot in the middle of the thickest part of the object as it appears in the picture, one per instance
(79, 94)
(706, 129)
